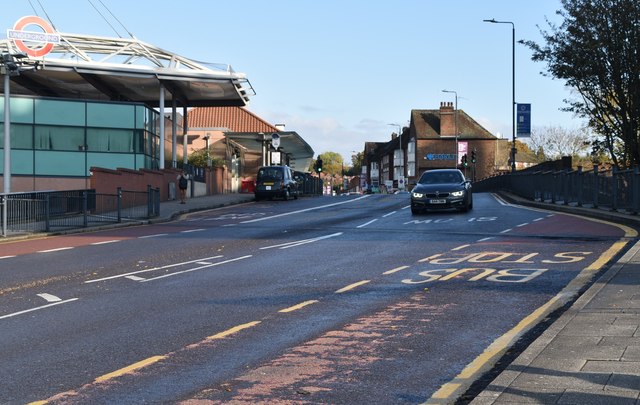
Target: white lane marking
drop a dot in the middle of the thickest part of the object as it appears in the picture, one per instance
(151, 269)
(49, 297)
(367, 223)
(197, 268)
(134, 278)
(37, 308)
(104, 242)
(506, 230)
(538, 219)
(7, 257)
(55, 250)
(152, 236)
(287, 245)
(485, 239)
(389, 214)
(193, 230)
(304, 210)
(460, 247)
(521, 225)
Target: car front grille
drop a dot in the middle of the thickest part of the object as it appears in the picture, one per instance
(437, 195)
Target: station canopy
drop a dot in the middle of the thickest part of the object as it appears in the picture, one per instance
(126, 69)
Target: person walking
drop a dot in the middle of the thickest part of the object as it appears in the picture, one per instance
(183, 183)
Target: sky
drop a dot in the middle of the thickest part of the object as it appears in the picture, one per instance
(344, 72)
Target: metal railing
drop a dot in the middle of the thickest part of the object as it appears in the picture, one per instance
(616, 190)
(50, 211)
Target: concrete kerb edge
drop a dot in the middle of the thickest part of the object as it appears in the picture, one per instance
(505, 378)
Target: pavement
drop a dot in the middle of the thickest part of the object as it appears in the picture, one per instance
(590, 354)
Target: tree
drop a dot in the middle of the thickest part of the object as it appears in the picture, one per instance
(199, 159)
(596, 50)
(554, 142)
(331, 163)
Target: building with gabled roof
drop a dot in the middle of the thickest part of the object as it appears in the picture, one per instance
(435, 139)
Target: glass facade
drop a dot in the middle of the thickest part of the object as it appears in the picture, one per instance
(53, 137)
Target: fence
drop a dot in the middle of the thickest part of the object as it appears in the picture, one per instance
(50, 211)
(617, 190)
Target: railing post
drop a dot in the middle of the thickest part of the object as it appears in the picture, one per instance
(3, 201)
(119, 204)
(635, 195)
(84, 209)
(614, 189)
(580, 185)
(596, 186)
(47, 212)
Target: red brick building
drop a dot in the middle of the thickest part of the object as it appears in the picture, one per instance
(435, 139)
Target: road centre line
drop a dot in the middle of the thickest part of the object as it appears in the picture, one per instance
(7, 257)
(151, 269)
(104, 242)
(38, 308)
(193, 230)
(287, 245)
(367, 223)
(152, 236)
(196, 268)
(298, 306)
(460, 247)
(389, 214)
(352, 286)
(56, 249)
(397, 269)
(300, 211)
(485, 239)
(506, 230)
(521, 225)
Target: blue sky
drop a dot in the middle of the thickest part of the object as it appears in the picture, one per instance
(339, 71)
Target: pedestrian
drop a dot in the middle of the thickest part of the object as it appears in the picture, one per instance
(183, 183)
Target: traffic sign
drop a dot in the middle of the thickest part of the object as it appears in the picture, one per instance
(524, 120)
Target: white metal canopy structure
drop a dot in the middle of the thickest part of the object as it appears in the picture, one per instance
(126, 69)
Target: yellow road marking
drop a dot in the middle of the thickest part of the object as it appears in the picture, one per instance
(233, 330)
(128, 369)
(298, 306)
(352, 286)
(453, 389)
(397, 269)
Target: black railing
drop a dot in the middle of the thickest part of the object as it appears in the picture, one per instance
(617, 190)
(51, 211)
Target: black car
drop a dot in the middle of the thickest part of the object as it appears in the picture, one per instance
(276, 181)
(441, 189)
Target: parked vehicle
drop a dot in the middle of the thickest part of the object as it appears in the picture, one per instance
(441, 189)
(276, 181)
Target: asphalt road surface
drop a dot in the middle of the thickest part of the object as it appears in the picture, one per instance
(337, 300)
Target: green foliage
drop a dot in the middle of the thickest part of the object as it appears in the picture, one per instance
(331, 163)
(199, 159)
(595, 50)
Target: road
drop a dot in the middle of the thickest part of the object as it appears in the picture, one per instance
(318, 300)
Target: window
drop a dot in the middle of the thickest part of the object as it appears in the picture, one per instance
(58, 138)
(109, 140)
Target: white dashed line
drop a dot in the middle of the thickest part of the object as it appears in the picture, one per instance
(152, 236)
(55, 250)
(104, 242)
(49, 297)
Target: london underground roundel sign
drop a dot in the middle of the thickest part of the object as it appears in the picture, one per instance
(33, 43)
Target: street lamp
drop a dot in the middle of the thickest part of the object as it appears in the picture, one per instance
(456, 120)
(513, 87)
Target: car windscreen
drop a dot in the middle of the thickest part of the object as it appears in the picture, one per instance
(440, 178)
(269, 174)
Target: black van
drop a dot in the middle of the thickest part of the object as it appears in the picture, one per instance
(276, 181)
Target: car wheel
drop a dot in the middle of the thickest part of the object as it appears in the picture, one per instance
(285, 194)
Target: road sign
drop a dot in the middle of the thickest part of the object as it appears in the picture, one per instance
(524, 120)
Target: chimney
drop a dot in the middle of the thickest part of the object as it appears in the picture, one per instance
(447, 119)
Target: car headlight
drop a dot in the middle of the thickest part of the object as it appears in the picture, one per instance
(457, 193)
(417, 195)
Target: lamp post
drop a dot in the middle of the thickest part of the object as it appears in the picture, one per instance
(206, 140)
(513, 87)
(456, 123)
